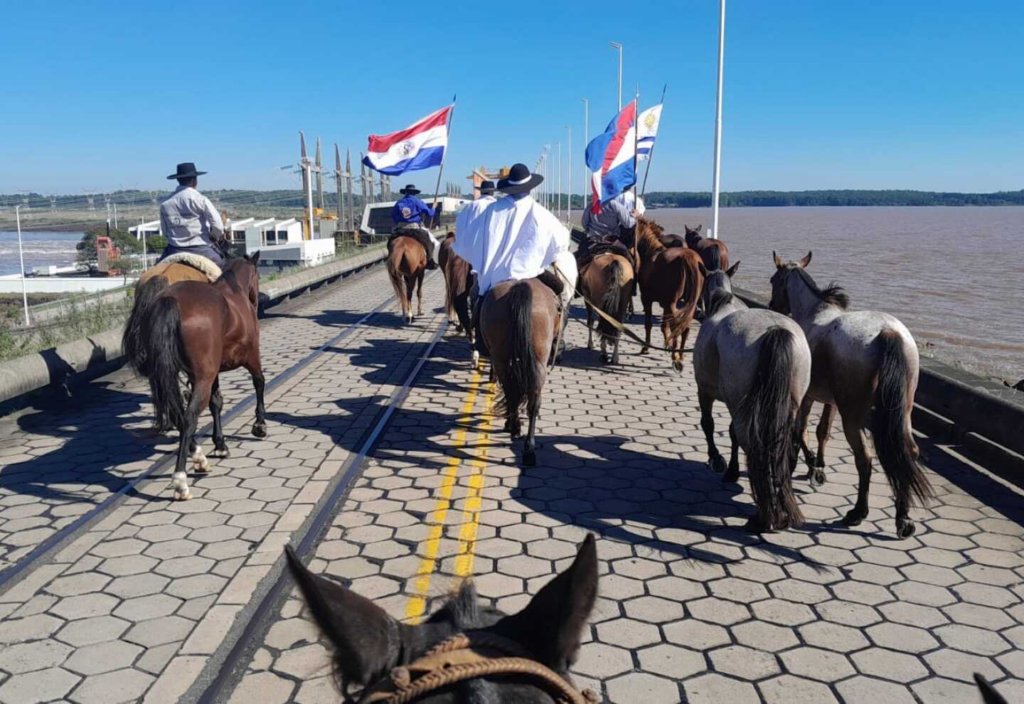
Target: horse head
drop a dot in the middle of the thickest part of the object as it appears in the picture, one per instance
(780, 282)
(717, 284)
(245, 272)
(375, 651)
(693, 236)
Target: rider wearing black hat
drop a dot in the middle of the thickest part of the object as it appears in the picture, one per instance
(408, 218)
(188, 219)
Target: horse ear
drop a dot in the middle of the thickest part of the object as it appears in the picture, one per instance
(552, 623)
(731, 271)
(778, 260)
(989, 695)
(255, 258)
(805, 261)
(703, 269)
(699, 228)
(366, 639)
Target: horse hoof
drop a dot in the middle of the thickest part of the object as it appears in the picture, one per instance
(905, 528)
(529, 458)
(678, 366)
(605, 359)
(644, 350)
(220, 453)
(716, 464)
(756, 525)
(817, 478)
(853, 518)
(182, 495)
(259, 430)
(731, 477)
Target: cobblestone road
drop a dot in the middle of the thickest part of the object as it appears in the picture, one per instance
(149, 601)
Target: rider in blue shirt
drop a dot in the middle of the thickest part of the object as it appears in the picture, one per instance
(408, 218)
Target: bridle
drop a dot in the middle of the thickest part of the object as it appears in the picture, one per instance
(466, 656)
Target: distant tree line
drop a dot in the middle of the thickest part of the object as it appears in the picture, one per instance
(739, 199)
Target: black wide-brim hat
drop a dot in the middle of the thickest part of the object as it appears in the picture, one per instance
(186, 170)
(486, 188)
(519, 180)
(409, 190)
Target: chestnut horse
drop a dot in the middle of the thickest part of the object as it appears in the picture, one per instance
(670, 276)
(865, 363)
(713, 252)
(199, 330)
(607, 282)
(457, 284)
(407, 264)
(518, 322)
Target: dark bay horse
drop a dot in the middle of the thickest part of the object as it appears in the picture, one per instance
(518, 321)
(407, 265)
(865, 363)
(457, 285)
(713, 252)
(757, 362)
(199, 330)
(523, 658)
(153, 282)
(671, 277)
(607, 282)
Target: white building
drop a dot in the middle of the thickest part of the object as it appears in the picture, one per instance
(149, 229)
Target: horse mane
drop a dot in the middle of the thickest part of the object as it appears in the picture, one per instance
(648, 235)
(832, 294)
(719, 298)
(713, 261)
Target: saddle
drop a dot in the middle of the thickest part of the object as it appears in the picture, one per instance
(610, 245)
(417, 233)
(196, 261)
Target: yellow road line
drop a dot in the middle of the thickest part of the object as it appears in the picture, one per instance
(474, 498)
(417, 604)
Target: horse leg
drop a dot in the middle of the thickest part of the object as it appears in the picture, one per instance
(648, 324)
(732, 474)
(530, 448)
(824, 434)
(255, 369)
(419, 294)
(615, 347)
(800, 435)
(707, 423)
(220, 448)
(590, 329)
(670, 339)
(186, 443)
(160, 423)
(856, 436)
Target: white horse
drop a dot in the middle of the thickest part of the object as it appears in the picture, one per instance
(759, 364)
(866, 364)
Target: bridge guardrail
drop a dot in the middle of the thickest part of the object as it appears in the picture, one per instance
(94, 356)
(984, 416)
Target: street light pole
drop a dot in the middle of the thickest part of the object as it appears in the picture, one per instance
(21, 255)
(617, 45)
(586, 143)
(718, 123)
(568, 213)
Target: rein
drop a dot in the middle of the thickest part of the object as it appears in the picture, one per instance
(466, 656)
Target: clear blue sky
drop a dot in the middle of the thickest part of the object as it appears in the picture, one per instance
(819, 94)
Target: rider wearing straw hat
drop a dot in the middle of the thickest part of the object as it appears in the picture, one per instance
(188, 219)
(408, 218)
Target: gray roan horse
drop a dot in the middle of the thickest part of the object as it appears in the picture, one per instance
(465, 652)
(759, 364)
(866, 364)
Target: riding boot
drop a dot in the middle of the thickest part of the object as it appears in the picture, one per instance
(478, 337)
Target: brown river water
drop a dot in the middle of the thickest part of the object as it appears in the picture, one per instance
(954, 276)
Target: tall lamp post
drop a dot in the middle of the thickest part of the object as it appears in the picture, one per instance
(21, 256)
(718, 123)
(617, 45)
(586, 143)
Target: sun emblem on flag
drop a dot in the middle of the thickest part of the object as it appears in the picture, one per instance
(407, 148)
(650, 121)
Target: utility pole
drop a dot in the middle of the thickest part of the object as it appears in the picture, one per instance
(145, 254)
(716, 185)
(616, 45)
(21, 255)
(340, 186)
(586, 143)
(348, 187)
(558, 196)
(319, 174)
(568, 214)
(307, 183)
(115, 215)
(108, 216)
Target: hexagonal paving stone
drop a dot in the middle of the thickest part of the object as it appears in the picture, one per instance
(817, 664)
(788, 689)
(137, 585)
(653, 609)
(716, 610)
(84, 606)
(744, 663)
(867, 690)
(602, 661)
(833, 636)
(889, 664)
(765, 636)
(907, 639)
(127, 564)
(672, 661)
(718, 689)
(159, 631)
(962, 666)
(92, 630)
(39, 686)
(972, 640)
(638, 686)
(146, 607)
(783, 613)
(697, 635)
(627, 633)
(36, 655)
(102, 657)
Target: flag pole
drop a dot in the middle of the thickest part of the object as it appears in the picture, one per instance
(650, 157)
(437, 186)
(636, 132)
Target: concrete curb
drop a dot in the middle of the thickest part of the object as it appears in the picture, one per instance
(86, 359)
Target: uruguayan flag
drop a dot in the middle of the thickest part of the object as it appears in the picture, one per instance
(647, 131)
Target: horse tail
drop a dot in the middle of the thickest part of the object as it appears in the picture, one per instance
(133, 341)
(770, 414)
(890, 423)
(611, 301)
(397, 281)
(166, 358)
(712, 258)
(521, 377)
(687, 305)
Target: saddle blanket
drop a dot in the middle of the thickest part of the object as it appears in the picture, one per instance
(196, 261)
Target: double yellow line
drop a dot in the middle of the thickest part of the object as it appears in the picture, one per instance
(470, 519)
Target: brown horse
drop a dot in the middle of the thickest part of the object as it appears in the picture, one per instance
(407, 264)
(518, 321)
(467, 651)
(713, 252)
(153, 282)
(607, 282)
(200, 330)
(672, 278)
(456, 286)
